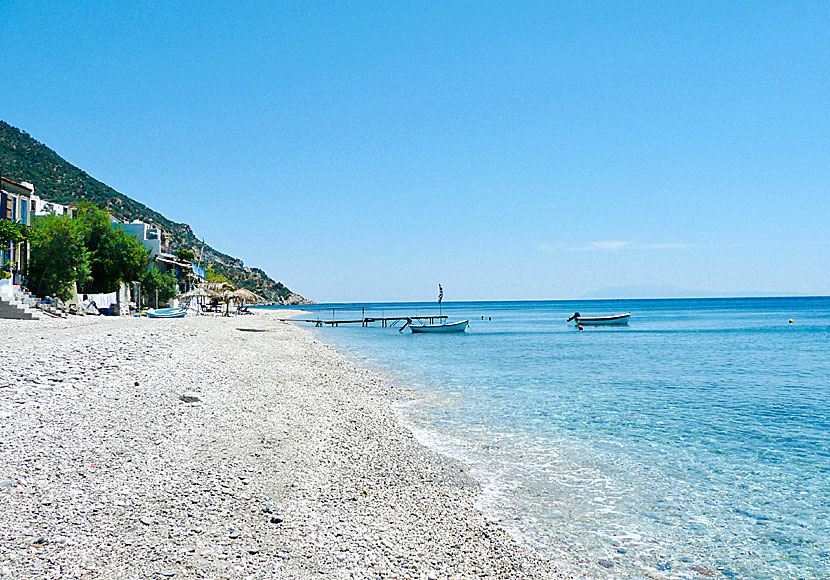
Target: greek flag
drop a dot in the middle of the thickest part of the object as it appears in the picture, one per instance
(440, 294)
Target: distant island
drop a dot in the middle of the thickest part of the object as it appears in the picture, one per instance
(55, 179)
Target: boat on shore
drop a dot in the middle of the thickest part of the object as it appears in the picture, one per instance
(167, 313)
(614, 319)
(418, 327)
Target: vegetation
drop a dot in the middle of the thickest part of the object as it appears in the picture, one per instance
(214, 276)
(25, 159)
(59, 257)
(114, 255)
(185, 256)
(12, 233)
(86, 251)
(154, 282)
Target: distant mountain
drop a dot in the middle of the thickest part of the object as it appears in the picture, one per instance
(657, 291)
(55, 179)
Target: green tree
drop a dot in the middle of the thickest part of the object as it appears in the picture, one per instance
(154, 281)
(185, 255)
(12, 233)
(58, 257)
(115, 255)
(213, 276)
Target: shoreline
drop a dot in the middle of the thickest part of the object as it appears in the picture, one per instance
(290, 461)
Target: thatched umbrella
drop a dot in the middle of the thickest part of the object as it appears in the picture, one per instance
(202, 292)
(218, 286)
(226, 297)
(245, 295)
(199, 292)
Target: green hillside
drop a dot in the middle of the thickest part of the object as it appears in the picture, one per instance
(25, 159)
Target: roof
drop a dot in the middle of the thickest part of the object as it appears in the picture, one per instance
(27, 187)
(171, 259)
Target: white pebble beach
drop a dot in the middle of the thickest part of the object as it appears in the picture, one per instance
(214, 447)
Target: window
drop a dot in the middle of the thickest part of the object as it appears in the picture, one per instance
(24, 212)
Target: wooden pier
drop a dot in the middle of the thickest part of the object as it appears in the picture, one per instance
(366, 321)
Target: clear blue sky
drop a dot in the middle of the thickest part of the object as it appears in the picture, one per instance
(368, 151)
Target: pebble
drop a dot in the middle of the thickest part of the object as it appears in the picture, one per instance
(292, 428)
(606, 563)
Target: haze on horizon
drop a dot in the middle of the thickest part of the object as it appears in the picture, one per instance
(536, 151)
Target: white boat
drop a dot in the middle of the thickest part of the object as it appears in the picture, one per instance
(419, 326)
(448, 327)
(167, 313)
(615, 319)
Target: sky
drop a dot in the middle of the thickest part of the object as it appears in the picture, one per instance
(367, 151)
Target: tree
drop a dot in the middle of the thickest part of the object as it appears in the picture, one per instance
(185, 255)
(154, 280)
(12, 233)
(213, 276)
(115, 255)
(58, 257)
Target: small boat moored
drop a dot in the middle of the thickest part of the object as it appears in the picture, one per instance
(615, 319)
(417, 327)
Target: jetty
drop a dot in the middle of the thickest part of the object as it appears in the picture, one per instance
(366, 320)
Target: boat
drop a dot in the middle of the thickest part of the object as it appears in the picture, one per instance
(614, 319)
(167, 313)
(417, 327)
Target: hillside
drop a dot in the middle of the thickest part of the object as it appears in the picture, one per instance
(55, 179)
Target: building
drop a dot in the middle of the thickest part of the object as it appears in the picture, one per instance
(150, 236)
(43, 208)
(16, 206)
(147, 234)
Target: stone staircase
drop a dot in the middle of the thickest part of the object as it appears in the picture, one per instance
(22, 305)
(11, 307)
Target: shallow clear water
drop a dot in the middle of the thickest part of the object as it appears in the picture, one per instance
(695, 439)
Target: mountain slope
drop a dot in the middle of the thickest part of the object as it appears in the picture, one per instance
(55, 179)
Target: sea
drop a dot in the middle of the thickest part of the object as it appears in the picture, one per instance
(692, 443)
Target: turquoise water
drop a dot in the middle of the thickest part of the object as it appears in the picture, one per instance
(695, 440)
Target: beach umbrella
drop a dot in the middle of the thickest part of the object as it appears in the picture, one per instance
(245, 295)
(218, 286)
(227, 296)
(199, 292)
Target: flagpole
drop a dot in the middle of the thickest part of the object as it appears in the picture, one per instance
(440, 297)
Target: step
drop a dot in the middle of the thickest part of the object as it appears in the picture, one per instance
(12, 309)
